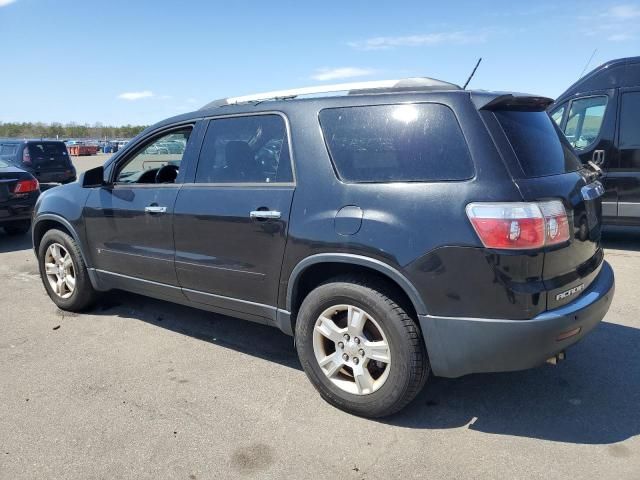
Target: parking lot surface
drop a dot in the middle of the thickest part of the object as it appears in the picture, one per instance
(140, 388)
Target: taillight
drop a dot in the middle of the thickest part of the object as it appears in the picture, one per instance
(26, 186)
(26, 157)
(519, 225)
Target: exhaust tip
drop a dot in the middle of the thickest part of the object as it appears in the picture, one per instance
(557, 358)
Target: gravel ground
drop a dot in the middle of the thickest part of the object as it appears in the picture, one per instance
(140, 388)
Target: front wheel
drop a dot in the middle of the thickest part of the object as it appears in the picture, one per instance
(360, 349)
(64, 273)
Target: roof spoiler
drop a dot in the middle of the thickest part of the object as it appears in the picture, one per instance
(514, 102)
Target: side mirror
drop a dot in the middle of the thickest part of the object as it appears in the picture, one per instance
(93, 178)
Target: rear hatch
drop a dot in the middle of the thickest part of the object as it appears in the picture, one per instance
(50, 161)
(544, 167)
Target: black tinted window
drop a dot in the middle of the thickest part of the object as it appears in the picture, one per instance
(630, 120)
(539, 146)
(396, 143)
(251, 149)
(48, 154)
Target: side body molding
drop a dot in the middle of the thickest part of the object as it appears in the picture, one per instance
(362, 261)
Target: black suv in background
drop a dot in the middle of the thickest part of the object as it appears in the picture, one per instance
(47, 160)
(403, 229)
(600, 115)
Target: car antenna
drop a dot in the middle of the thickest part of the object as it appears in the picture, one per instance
(472, 74)
(585, 67)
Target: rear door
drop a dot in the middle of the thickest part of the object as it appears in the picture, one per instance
(627, 172)
(589, 125)
(231, 219)
(545, 167)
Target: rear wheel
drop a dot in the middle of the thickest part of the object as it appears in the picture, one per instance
(359, 348)
(17, 228)
(64, 273)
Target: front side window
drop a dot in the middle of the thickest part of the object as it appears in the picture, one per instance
(584, 121)
(247, 149)
(558, 113)
(396, 143)
(161, 153)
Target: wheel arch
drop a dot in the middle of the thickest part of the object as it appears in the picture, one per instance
(300, 284)
(48, 221)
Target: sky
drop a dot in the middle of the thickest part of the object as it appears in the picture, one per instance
(138, 62)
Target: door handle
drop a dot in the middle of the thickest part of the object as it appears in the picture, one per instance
(265, 214)
(155, 209)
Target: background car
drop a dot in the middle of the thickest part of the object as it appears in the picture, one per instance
(19, 191)
(600, 116)
(47, 160)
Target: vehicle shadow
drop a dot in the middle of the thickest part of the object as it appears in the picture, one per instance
(621, 238)
(251, 338)
(591, 398)
(14, 243)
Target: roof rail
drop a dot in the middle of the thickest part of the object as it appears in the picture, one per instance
(353, 88)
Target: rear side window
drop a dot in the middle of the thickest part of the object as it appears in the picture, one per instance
(396, 143)
(630, 120)
(247, 149)
(539, 146)
(8, 149)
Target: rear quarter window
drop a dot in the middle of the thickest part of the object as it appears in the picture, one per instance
(541, 149)
(396, 143)
(8, 150)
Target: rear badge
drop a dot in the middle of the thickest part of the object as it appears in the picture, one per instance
(571, 291)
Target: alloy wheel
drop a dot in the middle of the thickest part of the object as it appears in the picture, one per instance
(351, 349)
(60, 270)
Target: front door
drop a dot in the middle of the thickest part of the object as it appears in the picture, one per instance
(231, 219)
(590, 128)
(129, 221)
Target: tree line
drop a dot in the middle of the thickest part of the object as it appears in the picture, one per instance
(65, 131)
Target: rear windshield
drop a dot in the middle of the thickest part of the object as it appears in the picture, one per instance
(48, 154)
(396, 143)
(539, 146)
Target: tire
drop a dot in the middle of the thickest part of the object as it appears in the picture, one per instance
(17, 228)
(83, 294)
(386, 322)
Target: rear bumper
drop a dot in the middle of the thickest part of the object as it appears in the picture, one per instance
(17, 210)
(459, 346)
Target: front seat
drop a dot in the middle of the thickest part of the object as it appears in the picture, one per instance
(241, 163)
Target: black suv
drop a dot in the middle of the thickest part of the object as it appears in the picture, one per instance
(600, 115)
(400, 230)
(47, 160)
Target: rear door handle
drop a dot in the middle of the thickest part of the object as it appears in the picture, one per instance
(265, 214)
(155, 209)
